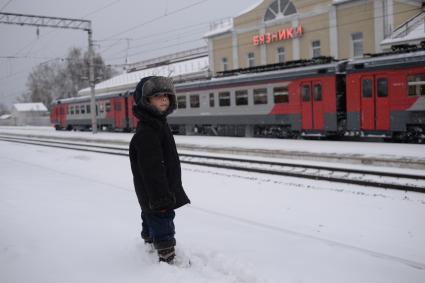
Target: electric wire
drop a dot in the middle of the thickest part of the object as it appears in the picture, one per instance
(5, 5)
(239, 45)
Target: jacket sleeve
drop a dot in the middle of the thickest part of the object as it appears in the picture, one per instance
(152, 168)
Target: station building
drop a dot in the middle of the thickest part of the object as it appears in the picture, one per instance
(275, 31)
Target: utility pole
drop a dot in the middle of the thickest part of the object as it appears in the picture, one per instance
(65, 23)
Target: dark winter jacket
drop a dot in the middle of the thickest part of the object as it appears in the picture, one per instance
(155, 164)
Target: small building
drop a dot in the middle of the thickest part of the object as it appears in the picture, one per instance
(30, 114)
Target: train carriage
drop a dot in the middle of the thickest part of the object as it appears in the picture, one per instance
(385, 95)
(284, 103)
(75, 113)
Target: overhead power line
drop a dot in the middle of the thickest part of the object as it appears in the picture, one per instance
(156, 19)
(5, 5)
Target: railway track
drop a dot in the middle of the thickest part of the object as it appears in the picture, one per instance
(375, 178)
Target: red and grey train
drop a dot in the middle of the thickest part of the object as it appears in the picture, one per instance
(381, 94)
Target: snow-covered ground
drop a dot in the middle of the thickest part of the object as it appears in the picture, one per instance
(68, 216)
(375, 149)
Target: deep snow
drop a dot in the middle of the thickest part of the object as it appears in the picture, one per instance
(68, 216)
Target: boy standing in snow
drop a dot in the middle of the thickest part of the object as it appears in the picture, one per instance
(155, 164)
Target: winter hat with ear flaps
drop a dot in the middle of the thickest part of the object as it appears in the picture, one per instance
(149, 86)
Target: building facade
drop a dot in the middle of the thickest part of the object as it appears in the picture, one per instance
(276, 31)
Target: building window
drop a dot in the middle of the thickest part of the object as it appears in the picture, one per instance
(357, 44)
(212, 100)
(194, 101)
(280, 54)
(416, 85)
(279, 8)
(224, 64)
(315, 47)
(224, 98)
(260, 96)
(181, 102)
(251, 59)
(241, 97)
(280, 94)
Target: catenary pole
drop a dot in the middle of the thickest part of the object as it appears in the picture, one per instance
(92, 84)
(65, 23)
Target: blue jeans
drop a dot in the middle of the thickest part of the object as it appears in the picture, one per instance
(159, 228)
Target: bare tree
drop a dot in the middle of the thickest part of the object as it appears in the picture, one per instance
(3, 109)
(64, 79)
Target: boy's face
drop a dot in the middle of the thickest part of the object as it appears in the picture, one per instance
(160, 102)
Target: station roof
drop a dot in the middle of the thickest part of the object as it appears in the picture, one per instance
(173, 70)
(411, 32)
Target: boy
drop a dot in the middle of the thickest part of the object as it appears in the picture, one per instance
(155, 164)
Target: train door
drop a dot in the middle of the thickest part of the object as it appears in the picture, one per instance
(312, 112)
(307, 115)
(118, 112)
(63, 114)
(318, 108)
(375, 112)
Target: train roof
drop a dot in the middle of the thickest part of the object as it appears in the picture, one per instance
(85, 98)
(266, 76)
(387, 60)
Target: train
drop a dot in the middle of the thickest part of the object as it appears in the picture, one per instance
(377, 95)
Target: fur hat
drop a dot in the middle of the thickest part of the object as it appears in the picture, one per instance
(150, 86)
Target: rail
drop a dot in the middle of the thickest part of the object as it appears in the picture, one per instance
(370, 178)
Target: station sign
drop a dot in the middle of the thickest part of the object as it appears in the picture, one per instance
(283, 34)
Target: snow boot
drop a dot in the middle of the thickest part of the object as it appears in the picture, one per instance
(167, 255)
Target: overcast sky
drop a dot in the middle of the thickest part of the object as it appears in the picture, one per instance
(153, 28)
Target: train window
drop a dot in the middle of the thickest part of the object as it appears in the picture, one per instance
(260, 96)
(305, 92)
(83, 109)
(281, 94)
(77, 109)
(181, 101)
(212, 100)
(194, 101)
(71, 110)
(107, 106)
(382, 87)
(416, 85)
(117, 106)
(241, 97)
(61, 111)
(101, 107)
(224, 98)
(317, 92)
(88, 108)
(367, 88)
